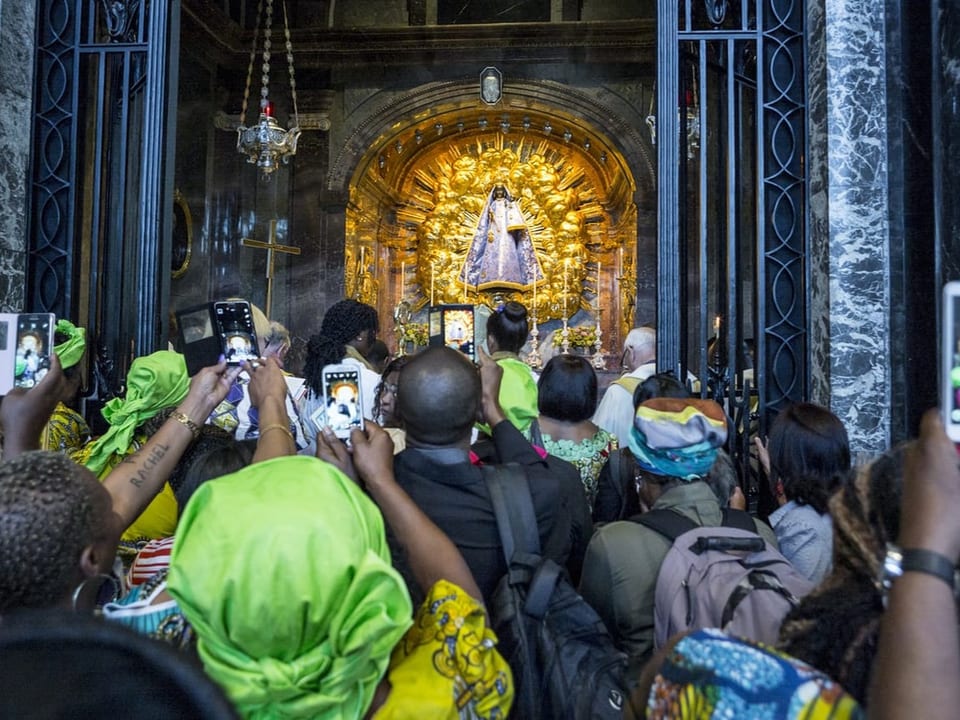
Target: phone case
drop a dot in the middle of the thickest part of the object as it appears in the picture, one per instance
(238, 337)
(8, 349)
(198, 336)
(34, 343)
(453, 326)
(950, 360)
(343, 404)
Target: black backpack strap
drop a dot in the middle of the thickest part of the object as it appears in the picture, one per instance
(541, 589)
(513, 508)
(739, 519)
(668, 523)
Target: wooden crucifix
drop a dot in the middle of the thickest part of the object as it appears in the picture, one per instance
(271, 246)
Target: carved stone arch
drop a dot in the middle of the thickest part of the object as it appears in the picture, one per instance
(620, 123)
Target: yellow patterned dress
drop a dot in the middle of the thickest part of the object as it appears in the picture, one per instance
(66, 432)
(447, 665)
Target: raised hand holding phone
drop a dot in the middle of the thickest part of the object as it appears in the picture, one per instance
(342, 410)
(235, 327)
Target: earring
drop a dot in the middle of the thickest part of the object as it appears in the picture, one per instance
(107, 591)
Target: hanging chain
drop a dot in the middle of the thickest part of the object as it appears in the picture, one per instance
(293, 80)
(265, 77)
(253, 57)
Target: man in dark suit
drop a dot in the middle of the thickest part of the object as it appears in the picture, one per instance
(439, 397)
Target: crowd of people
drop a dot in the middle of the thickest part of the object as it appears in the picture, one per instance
(219, 552)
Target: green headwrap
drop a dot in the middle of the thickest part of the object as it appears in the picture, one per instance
(283, 570)
(71, 350)
(518, 393)
(155, 382)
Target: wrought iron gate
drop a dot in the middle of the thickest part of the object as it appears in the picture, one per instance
(100, 216)
(733, 290)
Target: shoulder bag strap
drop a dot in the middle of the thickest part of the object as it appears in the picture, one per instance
(513, 508)
(668, 523)
(738, 519)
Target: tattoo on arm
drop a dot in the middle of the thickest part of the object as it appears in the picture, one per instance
(153, 459)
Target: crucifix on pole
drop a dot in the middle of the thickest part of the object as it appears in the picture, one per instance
(271, 246)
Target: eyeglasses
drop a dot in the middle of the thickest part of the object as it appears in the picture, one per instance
(391, 388)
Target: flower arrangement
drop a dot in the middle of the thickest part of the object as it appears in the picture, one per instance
(583, 336)
(416, 333)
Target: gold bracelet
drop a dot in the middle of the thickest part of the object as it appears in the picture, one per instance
(190, 424)
(276, 426)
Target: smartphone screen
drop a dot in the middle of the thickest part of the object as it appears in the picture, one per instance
(458, 330)
(341, 391)
(951, 360)
(34, 344)
(237, 335)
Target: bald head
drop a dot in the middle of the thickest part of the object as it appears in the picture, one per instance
(438, 396)
(639, 347)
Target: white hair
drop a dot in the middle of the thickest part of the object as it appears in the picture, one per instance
(641, 337)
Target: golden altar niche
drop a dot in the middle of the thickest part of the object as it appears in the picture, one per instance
(583, 255)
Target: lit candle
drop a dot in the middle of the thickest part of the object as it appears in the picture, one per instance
(621, 260)
(362, 249)
(566, 264)
(403, 278)
(534, 297)
(464, 289)
(433, 270)
(716, 326)
(598, 284)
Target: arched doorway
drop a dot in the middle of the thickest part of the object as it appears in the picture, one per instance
(418, 191)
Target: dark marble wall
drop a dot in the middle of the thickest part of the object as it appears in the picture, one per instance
(947, 147)
(17, 24)
(873, 279)
(850, 230)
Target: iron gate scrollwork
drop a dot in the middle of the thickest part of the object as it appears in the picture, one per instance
(102, 140)
(733, 292)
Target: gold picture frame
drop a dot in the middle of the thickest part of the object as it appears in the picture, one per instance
(182, 245)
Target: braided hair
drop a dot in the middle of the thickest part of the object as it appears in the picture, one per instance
(50, 510)
(343, 321)
(836, 627)
(508, 326)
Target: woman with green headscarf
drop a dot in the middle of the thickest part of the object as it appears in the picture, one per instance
(155, 382)
(283, 571)
(67, 430)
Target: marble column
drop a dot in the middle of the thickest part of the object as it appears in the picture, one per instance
(848, 223)
(17, 24)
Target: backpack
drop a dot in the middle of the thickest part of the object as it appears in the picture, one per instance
(724, 577)
(564, 662)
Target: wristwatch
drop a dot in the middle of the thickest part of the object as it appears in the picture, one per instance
(897, 561)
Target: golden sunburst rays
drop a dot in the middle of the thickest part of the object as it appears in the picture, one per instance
(557, 194)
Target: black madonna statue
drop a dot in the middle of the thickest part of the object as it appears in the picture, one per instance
(501, 254)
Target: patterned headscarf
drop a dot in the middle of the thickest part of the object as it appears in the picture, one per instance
(155, 382)
(708, 674)
(283, 571)
(677, 437)
(70, 350)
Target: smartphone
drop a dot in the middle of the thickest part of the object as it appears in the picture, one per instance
(33, 348)
(8, 331)
(454, 326)
(238, 337)
(950, 360)
(342, 401)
